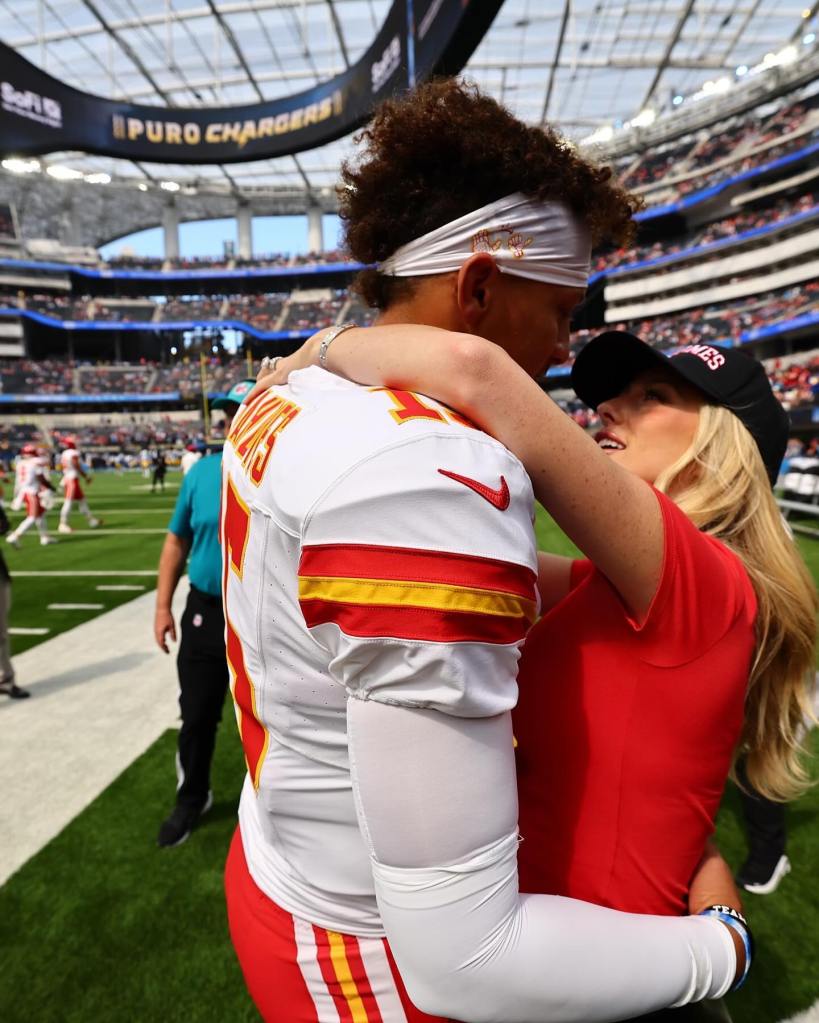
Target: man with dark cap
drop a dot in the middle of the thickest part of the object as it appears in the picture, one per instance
(201, 662)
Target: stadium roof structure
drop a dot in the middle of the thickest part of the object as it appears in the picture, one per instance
(584, 65)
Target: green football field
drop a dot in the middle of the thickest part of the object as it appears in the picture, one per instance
(101, 925)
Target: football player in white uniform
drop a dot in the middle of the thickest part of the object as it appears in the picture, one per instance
(33, 480)
(73, 471)
(379, 577)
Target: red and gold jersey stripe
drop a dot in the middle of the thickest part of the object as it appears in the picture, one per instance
(416, 594)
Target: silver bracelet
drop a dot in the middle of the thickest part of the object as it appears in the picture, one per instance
(269, 363)
(329, 339)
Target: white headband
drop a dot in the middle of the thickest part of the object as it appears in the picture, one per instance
(542, 241)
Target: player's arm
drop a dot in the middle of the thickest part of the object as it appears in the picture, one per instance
(554, 573)
(422, 620)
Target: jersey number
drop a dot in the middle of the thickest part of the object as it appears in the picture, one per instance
(408, 406)
(235, 532)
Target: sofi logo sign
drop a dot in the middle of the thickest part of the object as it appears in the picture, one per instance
(387, 64)
(31, 105)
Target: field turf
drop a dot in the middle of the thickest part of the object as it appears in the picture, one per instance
(101, 925)
(120, 546)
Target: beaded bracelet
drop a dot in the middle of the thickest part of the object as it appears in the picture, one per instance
(737, 922)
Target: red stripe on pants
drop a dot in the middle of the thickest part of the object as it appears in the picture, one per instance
(328, 972)
(265, 944)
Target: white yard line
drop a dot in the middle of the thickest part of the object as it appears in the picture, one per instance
(101, 694)
(76, 607)
(132, 511)
(69, 573)
(122, 588)
(147, 486)
(102, 531)
(20, 631)
(155, 509)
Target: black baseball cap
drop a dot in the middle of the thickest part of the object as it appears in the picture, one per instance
(727, 376)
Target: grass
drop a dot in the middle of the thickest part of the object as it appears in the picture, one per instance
(122, 504)
(101, 925)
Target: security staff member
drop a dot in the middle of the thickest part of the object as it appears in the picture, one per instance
(201, 662)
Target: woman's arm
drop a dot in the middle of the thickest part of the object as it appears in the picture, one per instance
(553, 579)
(612, 515)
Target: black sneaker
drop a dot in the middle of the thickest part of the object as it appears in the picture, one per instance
(176, 828)
(762, 879)
(14, 691)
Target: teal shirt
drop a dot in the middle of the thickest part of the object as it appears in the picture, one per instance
(196, 518)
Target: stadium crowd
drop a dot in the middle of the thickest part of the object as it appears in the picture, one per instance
(736, 146)
(728, 227)
(125, 261)
(795, 380)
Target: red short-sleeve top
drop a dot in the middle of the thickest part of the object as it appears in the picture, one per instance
(625, 732)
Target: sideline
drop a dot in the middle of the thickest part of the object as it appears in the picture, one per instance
(101, 694)
(810, 1015)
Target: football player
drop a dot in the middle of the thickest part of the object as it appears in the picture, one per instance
(31, 474)
(73, 471)
(379, 575)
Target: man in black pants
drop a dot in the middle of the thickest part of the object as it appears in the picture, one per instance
(201, 662)
(766, 863)
(160, 467)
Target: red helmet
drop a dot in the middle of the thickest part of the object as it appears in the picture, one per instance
(69, 442)
(28, 449)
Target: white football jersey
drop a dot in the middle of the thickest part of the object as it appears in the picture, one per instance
(189, 460)
(376, 546)
(31, 474)
(70, 464)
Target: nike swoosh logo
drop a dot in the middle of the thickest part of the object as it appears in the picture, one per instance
(498, 497)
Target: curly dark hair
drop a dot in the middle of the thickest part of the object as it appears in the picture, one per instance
(446, 149)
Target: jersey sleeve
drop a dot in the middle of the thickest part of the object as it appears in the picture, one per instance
(704, 591)
(418, 575)
(180, 524)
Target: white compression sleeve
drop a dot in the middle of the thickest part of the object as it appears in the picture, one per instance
(436, 801)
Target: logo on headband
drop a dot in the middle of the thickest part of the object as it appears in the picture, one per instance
(504, 236)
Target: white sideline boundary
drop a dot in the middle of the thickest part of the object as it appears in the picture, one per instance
(810, 1015)
(101, 694)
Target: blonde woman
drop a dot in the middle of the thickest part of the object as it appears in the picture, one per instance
(687, 636)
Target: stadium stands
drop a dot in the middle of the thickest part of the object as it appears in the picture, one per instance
(662, 287)
(730, 147)
(728, 227)
(261, 311)
(311, 312)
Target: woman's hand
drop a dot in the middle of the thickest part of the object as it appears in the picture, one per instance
(713, 885)
(303, 357)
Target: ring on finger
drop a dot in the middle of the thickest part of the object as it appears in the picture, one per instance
(269, 363)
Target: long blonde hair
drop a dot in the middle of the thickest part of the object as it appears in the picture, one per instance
(721, 484)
